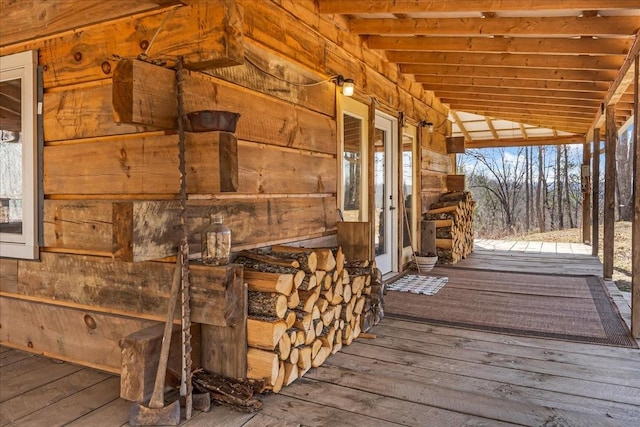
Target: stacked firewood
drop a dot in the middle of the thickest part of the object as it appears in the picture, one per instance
(453, 215)
(304, 304)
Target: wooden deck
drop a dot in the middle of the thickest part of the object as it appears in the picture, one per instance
(411, 374)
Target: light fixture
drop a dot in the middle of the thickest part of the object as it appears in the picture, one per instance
(428, 125)
(346, 85)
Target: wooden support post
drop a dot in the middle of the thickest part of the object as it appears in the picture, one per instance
(611, 140)
(586, 194)
(635, 236)
(595, 236)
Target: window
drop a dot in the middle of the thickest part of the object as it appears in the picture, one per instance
(353, 123)
(18, 156)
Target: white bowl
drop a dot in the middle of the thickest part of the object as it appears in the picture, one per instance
(426, 263)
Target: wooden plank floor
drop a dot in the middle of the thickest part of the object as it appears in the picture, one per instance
(411, 374)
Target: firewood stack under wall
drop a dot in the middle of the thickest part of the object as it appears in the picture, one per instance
(304, 304)
(453, 214)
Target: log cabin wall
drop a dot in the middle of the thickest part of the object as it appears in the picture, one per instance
(111, 189)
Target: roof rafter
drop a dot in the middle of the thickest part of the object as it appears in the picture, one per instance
(444, 88)
(537, 46)
(508, 60)
(409, 6)
(530, 141)
(605, 26)
(498, 82)
(509, 72)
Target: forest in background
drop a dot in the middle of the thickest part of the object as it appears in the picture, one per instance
(524, 190)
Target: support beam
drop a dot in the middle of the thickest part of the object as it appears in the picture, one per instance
(595, 237)
(611, 140)
(524, 142)
(635, 239)
(586, 194)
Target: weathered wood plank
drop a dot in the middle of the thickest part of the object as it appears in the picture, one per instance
(319, 97)
(381, 407)
(8, 274)
(74, 406)
(140, 166)
(265, 119)
(146, 230)
(268, 169)
(62, 121)
(464, 401)
(140, 359)
(79, 336)
(134, 289)
(224, 348)
(45, 395)
(208, 34)
(579, 396)
(148, 165)
(40, 19)
(138, 87)
(316, 415)
(32, 374)
(433, 181)
(114, 413)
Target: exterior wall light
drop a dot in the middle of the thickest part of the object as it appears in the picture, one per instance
(346, 85)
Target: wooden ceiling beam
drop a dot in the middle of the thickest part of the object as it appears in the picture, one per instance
(560, 94)
(492, 128)
(413, 6)
(525, 142)
(604, 26)
(565, 126)
(549, 111)
(460, 124)
(621, 82)
(509, 73)
(488, 82)
(535, 46)
(577, 105)
(520, 110)
(508, 60)
(497, 111)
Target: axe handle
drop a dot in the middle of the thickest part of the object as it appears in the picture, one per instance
(157, 398)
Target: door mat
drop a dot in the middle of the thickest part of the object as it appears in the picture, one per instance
(425, 285)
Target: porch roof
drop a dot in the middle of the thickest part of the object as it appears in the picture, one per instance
(548, 66)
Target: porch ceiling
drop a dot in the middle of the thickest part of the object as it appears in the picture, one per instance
(541, 64)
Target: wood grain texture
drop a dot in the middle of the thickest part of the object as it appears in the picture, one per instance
(224, 348)
(62, 121)
(208, 34)
(147, 165)
(80, 336)
(132, 288)
(40, 19)
(146, 230)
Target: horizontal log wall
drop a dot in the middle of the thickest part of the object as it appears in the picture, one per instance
(111, 186)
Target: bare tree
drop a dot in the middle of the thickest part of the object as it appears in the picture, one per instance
(568, 192)
(527, 183)
(539, 195)
(559, 186)
(624, 168)
(506, 178)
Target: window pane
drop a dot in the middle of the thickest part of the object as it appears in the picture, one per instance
(407, 186)
(352, 168)
(380, 191)
(11, 157)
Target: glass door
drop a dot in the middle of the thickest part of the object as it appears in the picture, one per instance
(385, 167)
(409, 185)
